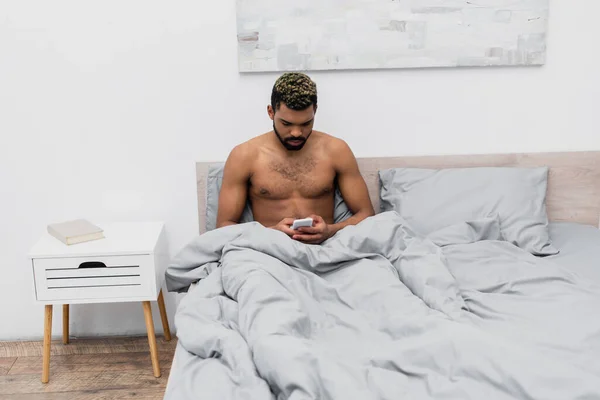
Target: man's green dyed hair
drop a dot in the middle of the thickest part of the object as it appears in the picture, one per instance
(296, 90)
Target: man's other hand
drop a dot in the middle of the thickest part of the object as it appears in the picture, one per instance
(285, 226)
(316, 234)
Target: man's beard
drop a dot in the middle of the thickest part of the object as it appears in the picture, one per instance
(286, 143)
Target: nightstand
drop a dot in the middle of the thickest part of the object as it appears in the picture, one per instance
(127, 265)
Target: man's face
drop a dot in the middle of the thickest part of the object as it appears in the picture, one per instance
(292, 127)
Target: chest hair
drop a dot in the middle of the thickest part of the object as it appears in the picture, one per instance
(293, 170)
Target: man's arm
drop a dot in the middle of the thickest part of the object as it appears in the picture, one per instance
(352, 187)
(234, 188)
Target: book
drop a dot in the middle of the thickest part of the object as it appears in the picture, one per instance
(75, 231)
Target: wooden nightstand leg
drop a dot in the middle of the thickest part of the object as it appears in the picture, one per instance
(65, 324)
(47, 342)
(151, 338)
(163, 316)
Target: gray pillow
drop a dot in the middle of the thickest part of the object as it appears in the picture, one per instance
(341, 211)
(432, 199)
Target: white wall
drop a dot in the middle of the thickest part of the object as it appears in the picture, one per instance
(106, 106)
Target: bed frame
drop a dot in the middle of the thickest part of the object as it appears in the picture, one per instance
(573, 183)
(573, 190)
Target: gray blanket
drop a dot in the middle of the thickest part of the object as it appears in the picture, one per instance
(377, 312)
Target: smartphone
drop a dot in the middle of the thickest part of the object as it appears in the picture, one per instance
(299, 223)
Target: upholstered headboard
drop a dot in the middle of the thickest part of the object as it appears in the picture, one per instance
(573, 185)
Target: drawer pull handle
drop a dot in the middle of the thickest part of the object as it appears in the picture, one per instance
(92, 264)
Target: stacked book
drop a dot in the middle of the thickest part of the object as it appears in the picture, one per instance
(75, 231)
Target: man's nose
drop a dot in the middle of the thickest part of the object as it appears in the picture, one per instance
(296, 132)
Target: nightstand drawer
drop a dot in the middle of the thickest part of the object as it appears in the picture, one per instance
(106, 277)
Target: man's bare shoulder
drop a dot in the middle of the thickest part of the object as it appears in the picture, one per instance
(335, 145)
(248, 150)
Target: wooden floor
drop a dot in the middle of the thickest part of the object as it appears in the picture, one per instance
(85, 369)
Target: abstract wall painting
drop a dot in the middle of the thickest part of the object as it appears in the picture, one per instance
(275, 35)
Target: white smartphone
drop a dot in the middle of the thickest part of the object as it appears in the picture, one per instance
(298, 223)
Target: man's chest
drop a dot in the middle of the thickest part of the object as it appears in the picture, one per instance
(307, 178)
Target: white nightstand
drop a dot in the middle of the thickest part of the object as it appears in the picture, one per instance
(127, 265)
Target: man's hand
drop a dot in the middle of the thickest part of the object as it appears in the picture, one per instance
(285, 226)
(316, 234)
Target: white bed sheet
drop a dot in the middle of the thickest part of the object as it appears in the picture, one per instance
(182, 359)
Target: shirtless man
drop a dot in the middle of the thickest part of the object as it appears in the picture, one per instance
(291, 172)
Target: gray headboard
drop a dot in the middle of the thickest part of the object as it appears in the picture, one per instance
(573, 185)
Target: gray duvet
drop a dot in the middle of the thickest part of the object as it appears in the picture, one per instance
(377, 312)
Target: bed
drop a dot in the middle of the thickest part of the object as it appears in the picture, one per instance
(499, 301)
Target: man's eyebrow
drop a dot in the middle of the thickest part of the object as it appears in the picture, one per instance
(288, 122)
